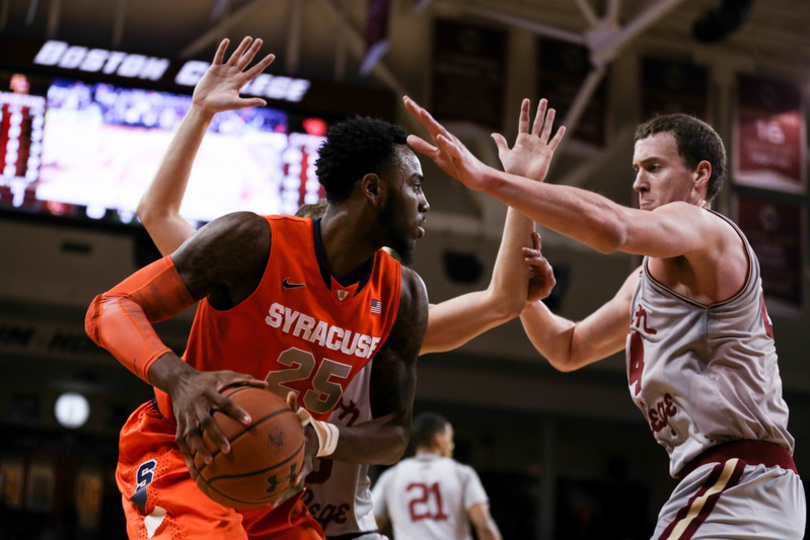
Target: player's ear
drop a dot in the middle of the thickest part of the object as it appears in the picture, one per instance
(373, 188)
(702, 173)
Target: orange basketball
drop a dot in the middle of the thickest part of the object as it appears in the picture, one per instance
(265, 455)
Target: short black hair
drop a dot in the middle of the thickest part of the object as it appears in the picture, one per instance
(425, 426)
(353, 148)
(697, 141)
(314, 210)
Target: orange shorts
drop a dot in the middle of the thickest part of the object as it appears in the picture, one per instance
(161, 501)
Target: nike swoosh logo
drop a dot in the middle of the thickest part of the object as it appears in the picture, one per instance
(287, 285)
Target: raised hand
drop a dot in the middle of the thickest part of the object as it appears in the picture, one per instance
(218, 89)
(531, 155)
(541, 276)
(449, 153)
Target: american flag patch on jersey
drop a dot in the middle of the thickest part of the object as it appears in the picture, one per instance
(376, 306)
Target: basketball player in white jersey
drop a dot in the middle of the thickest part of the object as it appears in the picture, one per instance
(701, 361)
(338, 493)
(431, 496)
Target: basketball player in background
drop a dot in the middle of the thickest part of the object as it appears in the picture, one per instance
(278, 296)
(701, 360)
(338, 493)
(431, 496)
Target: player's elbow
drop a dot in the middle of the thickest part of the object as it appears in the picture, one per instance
(504, 307)
(144, 210)
(92, 317)
(152, 215)
(611, 237)
(397, 445)
(564, 366)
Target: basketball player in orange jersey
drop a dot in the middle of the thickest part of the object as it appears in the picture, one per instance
(304, 304)
(701, 358)
(338, 492)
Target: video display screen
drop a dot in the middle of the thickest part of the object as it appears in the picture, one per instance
(88, 151)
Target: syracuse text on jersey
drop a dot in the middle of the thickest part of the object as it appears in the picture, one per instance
(324, 334)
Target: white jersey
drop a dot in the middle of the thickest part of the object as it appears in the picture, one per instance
(428, 497)
(338, 494)
(705, 374)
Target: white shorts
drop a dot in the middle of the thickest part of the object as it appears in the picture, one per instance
(732, 500)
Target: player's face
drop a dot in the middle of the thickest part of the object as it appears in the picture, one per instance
(446, 444)
(662, 175)
(403, 213)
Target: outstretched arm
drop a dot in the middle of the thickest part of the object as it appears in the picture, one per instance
(218, 90)
(569, 345)
(454, 322)
(672, 230)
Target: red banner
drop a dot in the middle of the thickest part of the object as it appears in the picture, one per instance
(376, 33)
(774, 230)
(769, 135)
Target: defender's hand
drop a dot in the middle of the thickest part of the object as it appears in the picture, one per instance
(218, 89)
(541, 275)
(449, 153)
(531, 155)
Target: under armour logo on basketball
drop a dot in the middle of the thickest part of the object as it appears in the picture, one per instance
(287, 285)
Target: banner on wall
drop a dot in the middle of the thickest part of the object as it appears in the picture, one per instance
(377, 44)
(673, 86)
(469, 69)
(769, 135)
(563, 68)
(774, 230)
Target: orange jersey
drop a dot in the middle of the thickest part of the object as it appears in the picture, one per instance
(300, 329)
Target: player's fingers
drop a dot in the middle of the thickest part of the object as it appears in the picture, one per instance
(189, 440)
(547, 125)
(500, 142)
(537, 240)
(210, 428)
(523, 121)
(423, 116)
(250, 53)
(220, 54)
(555, 142)
(245, 103)
(447, 145)
(292, 400)
(233, 410)
(420, 145)
(232, 378)
(539, 117)
(240, 50)
(183, 446)
(260, 66)
(533, 254)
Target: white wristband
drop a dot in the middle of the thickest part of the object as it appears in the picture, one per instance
(327, 433)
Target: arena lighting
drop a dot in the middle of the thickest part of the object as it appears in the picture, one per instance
(71, 410)
(717, 24)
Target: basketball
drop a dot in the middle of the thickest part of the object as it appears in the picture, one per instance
(265, 455)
